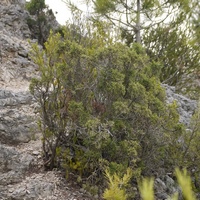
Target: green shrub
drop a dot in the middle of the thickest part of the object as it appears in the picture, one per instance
(102, 106)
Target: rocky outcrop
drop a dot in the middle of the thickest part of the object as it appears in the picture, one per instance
(165, 187)
(17, 117)
(13, 18)
(13, 165)
(21, 172)
(186, 106)
(16, 70)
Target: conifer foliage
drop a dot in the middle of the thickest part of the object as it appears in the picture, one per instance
(39, 23)
(101, 106)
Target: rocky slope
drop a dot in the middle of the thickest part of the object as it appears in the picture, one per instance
(186, 107)
(21, 172)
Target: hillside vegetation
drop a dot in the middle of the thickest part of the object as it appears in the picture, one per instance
(102, 106)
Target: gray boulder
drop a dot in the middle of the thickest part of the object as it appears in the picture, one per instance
(166, 187)
(13, 165)
(17, 122)
(186, 106)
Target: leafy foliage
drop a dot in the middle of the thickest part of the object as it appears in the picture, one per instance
(172, 47)
(185, 182)
(104, 6)
(167, 29)
(132, 17)
(146, 189)
(191, 150)
(35, 6)
(102, 106)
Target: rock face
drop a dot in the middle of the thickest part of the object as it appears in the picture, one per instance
(13, 165)
(13, 17)
(17, 117)
(21, 172)
(186, 107)
(165, 187)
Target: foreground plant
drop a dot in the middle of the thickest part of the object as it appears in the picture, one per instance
(115, 189)
(117, 184)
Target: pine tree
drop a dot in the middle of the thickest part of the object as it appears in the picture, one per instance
(39, 25)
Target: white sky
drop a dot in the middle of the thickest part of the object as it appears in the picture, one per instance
(61, 8)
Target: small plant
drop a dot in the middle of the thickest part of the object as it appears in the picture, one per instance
(185, 183)
(146, 189)
(116, 189)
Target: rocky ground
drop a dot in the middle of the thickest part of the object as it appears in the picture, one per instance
(21, 171)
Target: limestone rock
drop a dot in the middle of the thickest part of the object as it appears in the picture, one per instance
(17, 122)
(186, 106)
(165, 187)
(9, 2)
(13, 165)
(21, 172)
(13, 18)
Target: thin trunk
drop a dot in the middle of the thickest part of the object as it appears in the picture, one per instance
(0, 55)
(138, 25)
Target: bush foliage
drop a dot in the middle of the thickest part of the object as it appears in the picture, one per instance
(102, 107)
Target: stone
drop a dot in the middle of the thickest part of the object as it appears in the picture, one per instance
(165, 187)
(186, 106)
(33, 190)
(162, 196)
(36, 153)
(13, 165)
(160, 185)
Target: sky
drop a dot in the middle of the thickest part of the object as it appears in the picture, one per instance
(61, 10)
(59, 7)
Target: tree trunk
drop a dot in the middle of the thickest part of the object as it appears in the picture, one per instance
(138, 25)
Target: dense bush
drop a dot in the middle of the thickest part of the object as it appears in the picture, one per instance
(102, 107)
